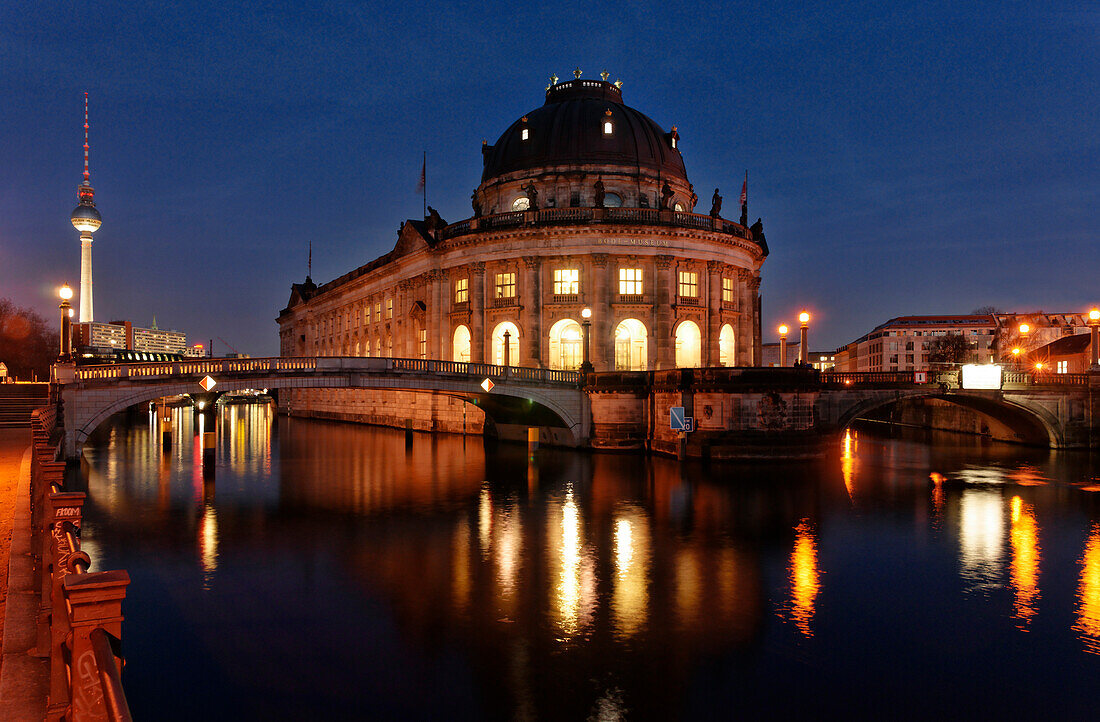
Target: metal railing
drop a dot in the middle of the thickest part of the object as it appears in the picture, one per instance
(79, 612)
(313, 364)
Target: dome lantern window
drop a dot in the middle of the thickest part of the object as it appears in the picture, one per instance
(608, 126)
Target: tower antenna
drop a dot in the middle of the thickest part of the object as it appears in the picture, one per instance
(87, 176)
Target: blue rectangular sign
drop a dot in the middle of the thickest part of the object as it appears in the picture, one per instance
(676, 418)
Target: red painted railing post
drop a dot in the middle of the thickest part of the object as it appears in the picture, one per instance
(95, 602)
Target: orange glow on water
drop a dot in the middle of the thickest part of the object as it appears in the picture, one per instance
(1088, 594)
(805, 578)
(1026, 555)
(848, 460)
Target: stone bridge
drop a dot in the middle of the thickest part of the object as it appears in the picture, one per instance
(738, 412)
(520, 396)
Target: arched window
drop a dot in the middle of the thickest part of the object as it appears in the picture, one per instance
(689, 345)
(612, 200)
(726, 349)
(565, 345)
(631, 345)
(366, 351)
(513, 344)
(521, 204)
(461, 345)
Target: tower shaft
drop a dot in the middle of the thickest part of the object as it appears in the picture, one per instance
(85, 277)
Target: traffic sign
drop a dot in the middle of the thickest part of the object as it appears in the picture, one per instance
(920, 377)
(207, 383)
(488, 385)
(689, 424)
(676, 418)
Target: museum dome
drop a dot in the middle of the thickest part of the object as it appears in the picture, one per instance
(584, 123)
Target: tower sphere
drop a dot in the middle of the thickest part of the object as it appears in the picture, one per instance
(86, 218)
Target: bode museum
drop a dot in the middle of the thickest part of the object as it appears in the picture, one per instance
(584, 208)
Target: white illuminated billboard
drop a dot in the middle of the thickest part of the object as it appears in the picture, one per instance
(981, 376)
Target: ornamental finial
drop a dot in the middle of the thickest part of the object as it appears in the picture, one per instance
(576, 72)
(619, 84)
(605, 75)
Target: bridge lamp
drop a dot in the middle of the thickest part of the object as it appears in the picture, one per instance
(804, 319)
(783, 344)
(65, 293)
(1038, 365)
(1094, 324)
(586, 323)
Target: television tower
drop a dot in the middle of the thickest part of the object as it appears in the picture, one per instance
(86, 219)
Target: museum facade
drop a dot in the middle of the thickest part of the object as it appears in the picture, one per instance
(584, 203)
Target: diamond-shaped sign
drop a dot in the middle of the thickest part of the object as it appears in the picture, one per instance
(207, 383)
(488, 385)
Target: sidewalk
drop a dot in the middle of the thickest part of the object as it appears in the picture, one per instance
(13, 442)
(24, 677)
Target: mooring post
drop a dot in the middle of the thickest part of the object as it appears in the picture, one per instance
(532, 439)
(408, 433)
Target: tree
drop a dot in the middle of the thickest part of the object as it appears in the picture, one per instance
(986, 311)
(28, 344)
(952, 348)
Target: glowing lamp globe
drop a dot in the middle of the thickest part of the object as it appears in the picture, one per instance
(783, 330)
(1094, 315)
(65, 292)
(1024, 328)
(86, 219)
(586, 313)
(804, 317)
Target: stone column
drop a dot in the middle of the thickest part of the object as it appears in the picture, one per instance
(666, 355)
(477, 312)
(436, 332)
(531, 351)
(745, 330)
(714, 313)
(400, 309)
(757, 335)
(600, 346)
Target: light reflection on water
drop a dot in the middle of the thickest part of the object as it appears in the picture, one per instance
(569, 585)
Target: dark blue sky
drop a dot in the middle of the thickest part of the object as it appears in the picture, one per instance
(906, 158)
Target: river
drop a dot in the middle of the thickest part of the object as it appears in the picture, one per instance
(327, 570)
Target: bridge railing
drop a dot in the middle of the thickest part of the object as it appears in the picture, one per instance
(312, 363)
(79, 612)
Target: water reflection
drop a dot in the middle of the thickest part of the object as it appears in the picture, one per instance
(1024, 575)
(981, 538)
(1088, 594)
(558, 585)
(805, 578)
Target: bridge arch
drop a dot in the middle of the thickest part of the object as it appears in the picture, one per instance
(510, 404)
(1029, 423)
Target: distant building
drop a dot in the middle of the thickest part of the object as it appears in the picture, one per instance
(124, 335)
(1043, 329)
(903, 343)
(196, 351)
(1067, 355)
(820, 360)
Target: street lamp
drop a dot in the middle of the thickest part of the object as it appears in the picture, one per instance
(66, 293)
(507, 350)
(783, 344)
(1016, 357)
(1094, 323)
(586, 323)
(804, 319)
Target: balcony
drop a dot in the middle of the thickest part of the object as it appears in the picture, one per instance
(578, 216)
(687, 301)
(504, 302)
(635, 298)
(566, 298)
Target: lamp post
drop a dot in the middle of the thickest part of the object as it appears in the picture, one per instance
(1016, 358)
(66, 293)
(803, 354)
(507, 350)
(783, 344)
(586, 323)
(1094, 324)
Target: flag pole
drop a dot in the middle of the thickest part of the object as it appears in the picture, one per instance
(424, 183)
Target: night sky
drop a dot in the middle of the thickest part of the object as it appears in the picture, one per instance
(906, 158)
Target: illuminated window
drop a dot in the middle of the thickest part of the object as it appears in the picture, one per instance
(378, 310)
(422, 338)
(389, 346)
(727, 290)
(689, 284)
(1063, 367)
(521, 204)
(366, 349)
(608, 127)
(630, 281)
(389, 308)
(523, 134)
(566, 281)
(506, 285)
(673, 141)
(462, 290)
(366, 313)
